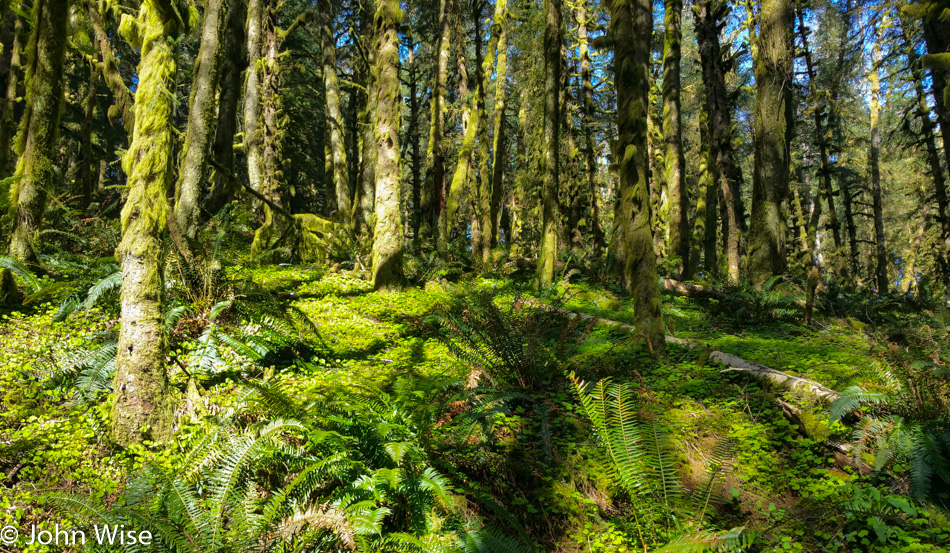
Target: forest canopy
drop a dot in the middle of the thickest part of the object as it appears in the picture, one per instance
(475, 275)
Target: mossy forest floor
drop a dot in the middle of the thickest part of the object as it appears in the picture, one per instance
(541, 461)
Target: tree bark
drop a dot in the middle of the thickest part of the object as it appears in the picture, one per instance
(143, 406)
(340, 178)
(253, 134)
(122, 97)
(85, 163)
(773, 81)
(499, 146)
(825, 191)
(229, 90)
(202, 113)
(587, 115)
(430, 204)
(674, 157)
(704, 225)
(937, 174)
(14, 85)
(38, 138)
(552, 122)
(631, 23)
(366, 192)
(709, 22)
(388, 233)
(880, 271)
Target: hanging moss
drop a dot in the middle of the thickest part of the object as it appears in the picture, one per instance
(388, 232)
(38, 137)
(143, 407)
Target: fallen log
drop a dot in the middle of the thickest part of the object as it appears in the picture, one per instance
(737, 364)
(687, 289)
(779, 378)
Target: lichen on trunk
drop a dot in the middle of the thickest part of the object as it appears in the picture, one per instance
(630, 24)
(143, 403)
(201, 118)
(388, 232)
(773, 81)
(38, 138)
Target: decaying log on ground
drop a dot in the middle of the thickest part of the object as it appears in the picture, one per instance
(779, 378)
(687, 289)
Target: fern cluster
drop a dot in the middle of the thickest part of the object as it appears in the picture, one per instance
(905, 421)
(345, 473)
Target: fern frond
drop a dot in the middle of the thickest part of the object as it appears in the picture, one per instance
(852, 399)
(20, 270)
(102, 287)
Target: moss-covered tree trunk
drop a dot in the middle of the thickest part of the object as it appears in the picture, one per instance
(202, 113)
(432, 189)
(499, 145)
(85, 140)
(587, 122)
(412, 132)
(630, 24)
(122, 97)
(674, 156)
(366, 191)
(937, 174)
(773, 83)
(229, 97)
(14, 85)
(143, 408)
(552, 123)
(936, 29)
(253, 133)
(710, 17)
(703, 241)
(388, 232)
(37, 140)
(339, 176)
(455, 193)
(825, 191)
(271, 102)
(874, 156)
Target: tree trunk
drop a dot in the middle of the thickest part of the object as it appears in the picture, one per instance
(704, 225)
(773, 78)
(388, 233)
(630, 28)
(430, 204)
(143, 407)
(271, 139)
(366, 193)
(39, 127)
(552, 123)
(880, 271)
(14, 85)
(456, 188)
(229, 87)
(253, 134)
(202, 114)
(412, 134)
(499, 147)
(709, 22)
(587, 115)
(937, 38)
(674, 157)
(933, 157)
(825, 191)
(85, 164)
(122, 97)
(340, 178)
